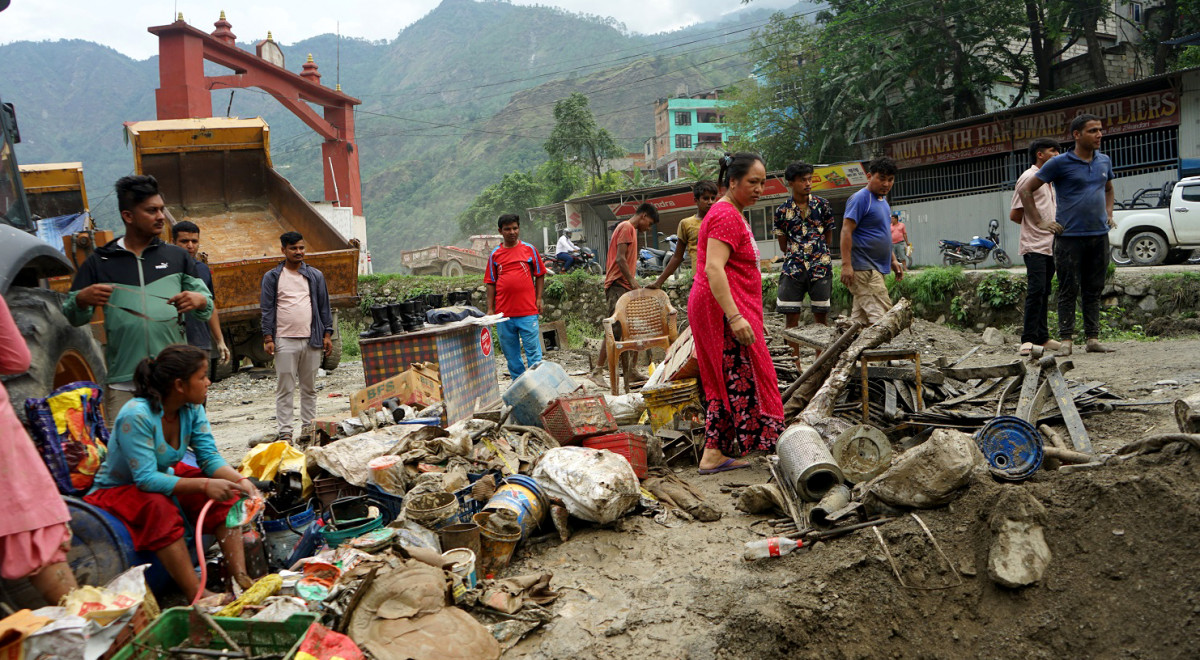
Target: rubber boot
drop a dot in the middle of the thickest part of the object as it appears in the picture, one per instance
(393, 318)
(379, 323)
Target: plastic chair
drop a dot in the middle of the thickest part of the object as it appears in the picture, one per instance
(647, 320)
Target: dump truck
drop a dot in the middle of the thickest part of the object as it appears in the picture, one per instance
(217, 173)
(61, 353)
(451, 260)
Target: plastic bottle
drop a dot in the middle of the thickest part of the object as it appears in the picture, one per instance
(255, 553)
(776, 546)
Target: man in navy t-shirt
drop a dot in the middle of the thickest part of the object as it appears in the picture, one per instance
(1082, 181)
(514, 278)
(867, 244)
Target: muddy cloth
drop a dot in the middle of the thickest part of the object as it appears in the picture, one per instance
(403, 615)
(511, 594)
(744, 426)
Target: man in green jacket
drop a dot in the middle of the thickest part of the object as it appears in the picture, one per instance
(144, 285)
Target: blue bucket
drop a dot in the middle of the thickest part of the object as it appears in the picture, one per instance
(282, 537)
(1012, 447)
(523, 496)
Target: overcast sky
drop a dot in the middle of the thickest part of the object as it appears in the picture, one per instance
(122, 24)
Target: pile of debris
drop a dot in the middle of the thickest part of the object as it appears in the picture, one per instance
(875, 435)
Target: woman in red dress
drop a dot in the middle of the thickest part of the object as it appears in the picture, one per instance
(744, 411)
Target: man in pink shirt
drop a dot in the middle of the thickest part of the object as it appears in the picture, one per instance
(1037, 248)
(297, 327)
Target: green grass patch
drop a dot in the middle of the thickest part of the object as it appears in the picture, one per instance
(349, 333)
(1111, 326)
(929, 287)
(578, 331)
(998, 290)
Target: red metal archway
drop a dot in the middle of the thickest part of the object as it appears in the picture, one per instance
(185, 92)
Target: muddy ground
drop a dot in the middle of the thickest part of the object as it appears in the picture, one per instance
(1122, 582)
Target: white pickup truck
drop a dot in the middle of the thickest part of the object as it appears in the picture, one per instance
(1168, 233)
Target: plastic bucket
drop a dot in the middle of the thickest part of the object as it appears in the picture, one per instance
(461, 535)
(281, 536)
(334, 538)
(387, 472)
(432, 510)
(495, 549)
(464, 566)
(521, 495)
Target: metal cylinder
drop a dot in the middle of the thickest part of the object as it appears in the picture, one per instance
(836, 499)
(863, 451)
(805, 461)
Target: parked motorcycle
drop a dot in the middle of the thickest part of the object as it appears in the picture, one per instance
(957, 253)
(585, 258)
(651, 261)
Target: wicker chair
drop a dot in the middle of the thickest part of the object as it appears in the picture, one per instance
(647, 320)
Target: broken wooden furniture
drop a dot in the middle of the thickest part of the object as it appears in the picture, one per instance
(886, 355)
(646, 320)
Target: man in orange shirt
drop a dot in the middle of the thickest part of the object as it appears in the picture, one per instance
(622, 264)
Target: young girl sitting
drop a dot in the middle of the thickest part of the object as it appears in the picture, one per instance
(143, 480)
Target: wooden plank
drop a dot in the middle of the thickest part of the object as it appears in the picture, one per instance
(1029, 386)
(1066, 406)
(994, 371)
(889, 400)
(928, 376)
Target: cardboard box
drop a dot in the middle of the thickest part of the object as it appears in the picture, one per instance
(417, 386)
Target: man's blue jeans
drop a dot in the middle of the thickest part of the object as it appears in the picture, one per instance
(513, 333)
(567, 260)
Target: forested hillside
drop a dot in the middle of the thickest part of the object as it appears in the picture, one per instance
(456, 100)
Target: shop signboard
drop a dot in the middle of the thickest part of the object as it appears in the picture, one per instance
(1128, 114)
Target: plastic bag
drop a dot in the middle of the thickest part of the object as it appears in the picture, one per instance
(596, 485)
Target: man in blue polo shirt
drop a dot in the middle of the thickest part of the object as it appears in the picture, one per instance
(866, 243)
(1082, 181)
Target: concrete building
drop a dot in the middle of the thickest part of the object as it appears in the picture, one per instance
(956, 176)
(686, 128)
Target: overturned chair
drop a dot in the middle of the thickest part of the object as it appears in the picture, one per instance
(645, 319)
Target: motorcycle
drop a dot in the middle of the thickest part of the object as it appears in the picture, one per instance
(957, 253)
(651, 261)
(585, 258)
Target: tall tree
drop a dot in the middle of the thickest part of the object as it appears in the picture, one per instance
(516, 192)
(577, 138)
(774, 112)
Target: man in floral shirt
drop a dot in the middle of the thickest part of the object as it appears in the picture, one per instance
(804, 228)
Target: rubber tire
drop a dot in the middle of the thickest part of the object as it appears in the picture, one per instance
(1001, 258)
(594, 268)
(452, 268)
(1146, 248)
(1118, 257)
(331, 361)
(1177, 256)
(49, 336)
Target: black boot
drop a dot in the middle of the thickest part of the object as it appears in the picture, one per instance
(379, 323)
(393, 317)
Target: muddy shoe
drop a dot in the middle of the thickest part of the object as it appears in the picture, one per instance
(1094, 346)
(598, 378)
(1064, 348)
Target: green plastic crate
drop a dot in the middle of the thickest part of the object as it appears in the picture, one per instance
(255, 637)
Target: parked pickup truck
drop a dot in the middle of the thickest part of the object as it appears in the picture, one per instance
(1168, 233)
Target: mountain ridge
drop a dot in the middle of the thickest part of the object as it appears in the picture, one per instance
(470, 70)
